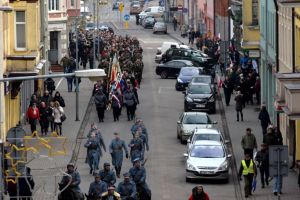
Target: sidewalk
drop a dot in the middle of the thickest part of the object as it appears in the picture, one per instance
(46, 170)
(290, 188)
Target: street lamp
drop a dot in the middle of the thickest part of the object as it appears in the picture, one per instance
(6, 8)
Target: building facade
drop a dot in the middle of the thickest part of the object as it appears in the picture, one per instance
(21, 57)
(251, 33)
(268, 47)
(57, 27)
(221, 21)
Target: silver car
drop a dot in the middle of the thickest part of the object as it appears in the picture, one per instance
(188, 121)
(207, 159)
(160, 27)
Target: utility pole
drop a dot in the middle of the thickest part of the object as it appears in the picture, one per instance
(94, 36)
(97, 29)
(77, 65)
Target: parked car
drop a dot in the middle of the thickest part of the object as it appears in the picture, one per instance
(155, 11)
(185, 76)
(205, 79)
(160, 27)
(207, 159)
(172, 68)
(135, 8)
(165, 46)
(205, 134)
(200, 96)
(90, 26)
(188, 121)
(149, 22)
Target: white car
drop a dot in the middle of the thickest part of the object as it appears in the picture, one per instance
(207, 159)
(165, 46)
(205, 134)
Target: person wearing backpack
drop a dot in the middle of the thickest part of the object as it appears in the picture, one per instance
(100, 101)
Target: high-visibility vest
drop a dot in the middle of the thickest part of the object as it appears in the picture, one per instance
(248, 170)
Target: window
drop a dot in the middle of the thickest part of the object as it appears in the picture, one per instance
(20, 30)
(72, 2)
(53, 5)
(255, 12)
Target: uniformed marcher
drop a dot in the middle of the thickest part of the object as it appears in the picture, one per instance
(94, 129)
(138, 176)
(107, 175)
(248, 170)
(145, 141)
(75, 182)
(97, 187)
(111, 194)
(116, 150)
(139, 123)
(94, 152)
(127, 188)
(100, 102)
(130, 102)
(136, 147)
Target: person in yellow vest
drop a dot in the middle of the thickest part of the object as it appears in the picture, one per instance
(248, 170)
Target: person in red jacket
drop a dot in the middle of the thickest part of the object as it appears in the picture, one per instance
(33, 115)
(198, 194)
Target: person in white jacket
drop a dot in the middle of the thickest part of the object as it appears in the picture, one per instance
(57, 114)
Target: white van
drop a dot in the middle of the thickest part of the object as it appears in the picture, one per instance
(165, 46)
(155, 11)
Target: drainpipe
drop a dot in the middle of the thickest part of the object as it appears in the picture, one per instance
(293, 40)
(2, 106)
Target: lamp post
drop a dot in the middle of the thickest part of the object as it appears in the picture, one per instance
(77, 65)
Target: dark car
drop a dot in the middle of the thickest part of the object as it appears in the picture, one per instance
(200, 96)
(172, 68)
(198, 57)
(185, 76)
(207, 79)
(149, 22)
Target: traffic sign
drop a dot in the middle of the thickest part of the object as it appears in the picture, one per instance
(126, 17)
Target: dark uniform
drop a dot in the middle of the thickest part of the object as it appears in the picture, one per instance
(94, 150)
(137, 148)
(100, 101)
(116, 150)
(130, 102)
(108, 176)
(97, 188)
(127, 188)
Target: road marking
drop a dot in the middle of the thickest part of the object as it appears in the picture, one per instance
(164, 89)
(59, 82)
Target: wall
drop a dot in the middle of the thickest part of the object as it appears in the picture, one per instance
(297, 39)
(221, 18)
(297, 139)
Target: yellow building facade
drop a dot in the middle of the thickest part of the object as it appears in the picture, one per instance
(22, 56)
(251, 33)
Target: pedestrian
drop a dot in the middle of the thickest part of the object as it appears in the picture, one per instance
(77, 86)
(46, 97)
(64, 62)
(136, 147)
(57, 114)
(111, 194)
(116, 104)
(70, 69)
(249, 143)
(248, 170)
(273, 136)
(72, 180)
(51, 118)
(137, 18)
(277, 186)
(45, 116)
(175, 23)
(239, 106)
(35, 100)
(57, 97)
(262, 157)
(100, 102)
(145, 141)
(130, 102)
(97, 187)
(49, 84)
(227, 87)
(127, 188)
(257, 90)
(116, 151)
(198, 194)
(264, 118)
(26, 185)
(137, 174)
(33, 115)
(107, 175)
(94, 152)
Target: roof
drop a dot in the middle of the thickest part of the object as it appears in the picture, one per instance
(207, 130)
(207, 143)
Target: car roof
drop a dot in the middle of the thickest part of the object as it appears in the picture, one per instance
(184, 61)
(207, 143)
(195, 113)
(207, 131)
(199, 76)
(195, 84)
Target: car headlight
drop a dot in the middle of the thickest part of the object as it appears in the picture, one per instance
(223, 166)
(188, 99)
(211, 99)
(179, 80)
(189, 166)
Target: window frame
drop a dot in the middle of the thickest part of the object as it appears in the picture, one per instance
(56, 4)
(16, 37)
(255, 21)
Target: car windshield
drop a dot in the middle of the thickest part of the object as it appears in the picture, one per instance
(209, 151)
(199, 89)
(202, 79)
(196, 119)
(90, 25)
(189, 72)
(204, 136)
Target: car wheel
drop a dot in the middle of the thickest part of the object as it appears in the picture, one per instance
(178, 137)
(153, 32)
(188, 180)
(164, 75)
(176, 87)
(165, 32)
(185, 108)
(213, 110)
(181, 140)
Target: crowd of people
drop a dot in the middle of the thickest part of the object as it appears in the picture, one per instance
(133, 186)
